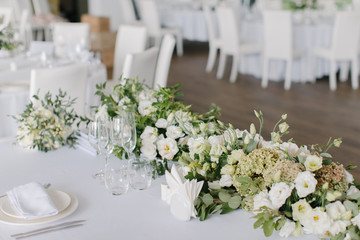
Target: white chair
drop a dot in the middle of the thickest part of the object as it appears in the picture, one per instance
(345, 47)
(5, 17)
(150, 17)
(278, 44)
(141, 66)
(128, 12)
(70, 34)
(164, 60)
(214, 39)
(129, 39)
(231, 44)
(71, 79)
(41, 7)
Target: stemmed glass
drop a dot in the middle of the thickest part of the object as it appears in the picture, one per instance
(128, 132)
(104, 138)
(93, 137)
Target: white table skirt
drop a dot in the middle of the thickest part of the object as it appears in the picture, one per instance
(13, 102)
(305, 36)
(135, 215)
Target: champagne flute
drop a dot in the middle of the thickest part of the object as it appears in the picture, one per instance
(129, 133)
(104, 140)
(93, 137)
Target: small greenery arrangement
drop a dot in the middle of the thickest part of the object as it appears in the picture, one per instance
(48, 124)
(7, 41)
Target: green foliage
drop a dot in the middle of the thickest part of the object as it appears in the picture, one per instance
(7, 40)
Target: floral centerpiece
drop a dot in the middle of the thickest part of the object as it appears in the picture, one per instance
(163, 123)
(293, 189)
(48, 124)
(299, 4)
(7, 41)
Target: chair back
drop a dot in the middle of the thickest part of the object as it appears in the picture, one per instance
(150, 16)
(228, 29)
(141, 66)
(164, 60)
(5, 17)
(129, 39)
(128, 11)
(70, 34)
(278, 34)
(210, 23)
(25, 28)
(41, 7)
(71, 79)
(346, 35)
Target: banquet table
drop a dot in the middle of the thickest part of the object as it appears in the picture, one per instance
(15, 71)
(134, 215)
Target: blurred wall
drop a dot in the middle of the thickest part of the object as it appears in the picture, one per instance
(106, 8)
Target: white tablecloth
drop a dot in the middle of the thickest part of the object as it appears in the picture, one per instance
(135, 215)
(13, 102)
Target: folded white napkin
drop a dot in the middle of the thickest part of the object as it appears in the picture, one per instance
(31, 201)
(180, 194)
(83, 143)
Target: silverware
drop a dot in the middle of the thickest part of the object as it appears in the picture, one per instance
(46, 186)
(50, 230)
(61, 226)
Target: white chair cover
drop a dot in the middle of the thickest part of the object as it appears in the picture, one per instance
(72, 79)
(129, 39)
(141, 65)
(164, 60)
(41, 7)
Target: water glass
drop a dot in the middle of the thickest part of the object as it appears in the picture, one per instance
(140, 174)
(117, 176)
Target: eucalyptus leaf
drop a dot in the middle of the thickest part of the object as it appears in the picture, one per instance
(258, 223)
(226, 209)
(326, 155)
(251, 146)
(224, 196)
(327, 162)
(207, 199)
(235, 202)
(355, 196)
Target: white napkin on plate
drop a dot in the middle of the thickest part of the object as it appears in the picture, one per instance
(180, 194)
(31, 201)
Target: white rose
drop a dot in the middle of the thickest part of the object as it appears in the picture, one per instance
(174, 132)
(150, 134)
(214, 185)
(349, 177)
(161, 123)
(102, 112)
(167, 148)
(334, 210)
(239, 133)
(352, 190)
(262, 200)
(215, 152)
(287, 229)
(228, 170)
(338, 227)
(148, 149)
(318, 222)
(279, 193)
(225, 181)
(283, 127)
(291, 148)
(145, 108)
(356, 220)
(197, 145)
(170, 118)
(211, 127)
(305, 183)
(185, 170)
(214, 140)
(301, 210)
(313, 163)
(230, 136)
(235, 156)
(183, 141)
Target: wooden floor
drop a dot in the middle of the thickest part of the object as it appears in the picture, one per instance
(314, 112)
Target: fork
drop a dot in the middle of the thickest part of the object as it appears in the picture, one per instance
(46, 186)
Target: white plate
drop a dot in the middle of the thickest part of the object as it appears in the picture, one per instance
(60, 199)
(4, 218)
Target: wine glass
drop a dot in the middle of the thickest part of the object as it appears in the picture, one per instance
(116, 131)
(93, 137)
